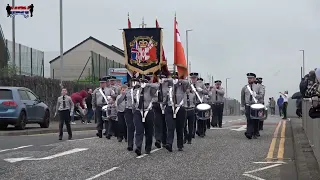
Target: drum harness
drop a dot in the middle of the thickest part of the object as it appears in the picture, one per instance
(251, 92)
(105, 98)
(143, 112)
(173, 99)
(160, 95)
(195, 91)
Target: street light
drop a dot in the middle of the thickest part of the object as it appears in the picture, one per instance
(303, 67)
(226, 105)
(187, 47)
(61, 45)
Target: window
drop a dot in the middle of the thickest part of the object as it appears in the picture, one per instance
(6, 94)
(31, 96)
(23, 95)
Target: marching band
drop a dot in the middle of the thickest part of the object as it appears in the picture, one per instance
(148, 108)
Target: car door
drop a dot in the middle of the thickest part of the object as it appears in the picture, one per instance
(29, 104)
(37, 108)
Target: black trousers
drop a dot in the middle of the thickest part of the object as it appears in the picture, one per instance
(143, 128)
(65, 118)
(189, 124)
(284, 109)
(160, 126)
(252, 124)
(217, 114)
(130, 126)
(122, 127)
(112, 128)
(176, 124)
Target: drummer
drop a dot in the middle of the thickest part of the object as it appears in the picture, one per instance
(201, 90)
(247, 99)
(189, 104)
(259, 82)
(217, 100)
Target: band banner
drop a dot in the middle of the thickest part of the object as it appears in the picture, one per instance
(143, 49)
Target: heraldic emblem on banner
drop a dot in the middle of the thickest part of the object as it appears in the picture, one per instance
(143, 49)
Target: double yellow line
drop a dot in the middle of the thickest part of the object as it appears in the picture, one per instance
(271, 154)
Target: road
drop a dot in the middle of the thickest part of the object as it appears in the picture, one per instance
(223, 154)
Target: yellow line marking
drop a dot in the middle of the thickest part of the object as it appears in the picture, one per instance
(282, 141)
(273, 142)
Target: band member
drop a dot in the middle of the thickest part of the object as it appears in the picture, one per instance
(119, 83)
(248, 93)
(206, 99)
(189, 103)
(129, 97)
(216, 95)
(65, 108)
(175, 113)
(143, 115)
(115, 87)
(99, 99)
(112, 118)
(259, 82)
(160, 126)
(121, 106)
(201, 90)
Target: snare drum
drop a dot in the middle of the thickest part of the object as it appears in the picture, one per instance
(203, 111)
(257, 111)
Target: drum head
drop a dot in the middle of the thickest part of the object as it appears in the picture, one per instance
(105, 107)
(203, 107)
(257, 106)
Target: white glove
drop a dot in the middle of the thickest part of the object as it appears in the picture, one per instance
(55, 114)
(199, 89)
(143, 85)
(71, 113)
(254, 94)
(242, 108)
(175, 81)
(160, 81)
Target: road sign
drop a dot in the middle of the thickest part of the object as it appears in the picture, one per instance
(13, 160)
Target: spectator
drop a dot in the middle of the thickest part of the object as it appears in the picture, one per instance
(285, 103)
(90, 112)
(280, 104)
(272, 105)
(78, 100)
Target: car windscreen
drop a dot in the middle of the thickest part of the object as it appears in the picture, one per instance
(6, 94)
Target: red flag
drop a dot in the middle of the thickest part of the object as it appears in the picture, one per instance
(164, 65)
(179, 57)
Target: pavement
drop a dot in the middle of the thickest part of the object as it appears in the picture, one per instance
(224, 154)
(53, 128)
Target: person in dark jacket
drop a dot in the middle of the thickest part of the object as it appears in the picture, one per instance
(90, 112)
(78, 99)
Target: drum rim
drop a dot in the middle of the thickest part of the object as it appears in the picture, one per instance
(260, 106)
(208, 105)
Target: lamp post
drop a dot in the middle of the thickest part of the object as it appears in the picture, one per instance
(61, 45)
(187, 47)
(226, 104)
(303, 65)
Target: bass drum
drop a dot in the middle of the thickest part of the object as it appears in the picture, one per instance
(258, 112)
(203, 111)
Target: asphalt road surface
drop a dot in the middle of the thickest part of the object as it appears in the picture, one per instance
(224, 154)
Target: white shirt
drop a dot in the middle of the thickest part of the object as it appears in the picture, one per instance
(285, 97)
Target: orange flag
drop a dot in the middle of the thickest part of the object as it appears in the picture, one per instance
(179, 57)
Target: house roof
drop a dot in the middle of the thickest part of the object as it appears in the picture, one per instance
(112, 47)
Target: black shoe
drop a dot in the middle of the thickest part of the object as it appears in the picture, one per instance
(70, 137)
(138, 152)
(169, 147)
(261, 129)
(185, 141)
(197, 133)
(130, 148)
(120, 139)
(193, 136)
(220, 126)
(247, 135)
(108, 136)
(104, 133)
(189, 142)
(254, 137)
(202, 135)
(258, 134)
(157, 144)
(180, 149)
(148, 151)
(164, 145)
(60, 138)
(99, 135)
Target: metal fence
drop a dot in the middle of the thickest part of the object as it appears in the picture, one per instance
(4, 53)
(231, 107)
(311, 128)
(28, 61)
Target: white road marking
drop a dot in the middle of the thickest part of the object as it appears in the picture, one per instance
(70, 140)
(275, 162)
(103, 173)
(12, 149)
(242, 128)
(144, 155)
(218, 128)
(253, 177)
(261, 169)
(13, 160)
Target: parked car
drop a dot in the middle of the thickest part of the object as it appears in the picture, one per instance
(20, 106)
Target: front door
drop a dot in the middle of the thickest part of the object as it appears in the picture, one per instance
(38, 110)
(29, 105)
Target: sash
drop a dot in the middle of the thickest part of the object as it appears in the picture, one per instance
(195, 91)
(174, 110)
(177, 109)
(103, 95)
(132, 98)
(143, 113)
(251, 92)
(161, 105)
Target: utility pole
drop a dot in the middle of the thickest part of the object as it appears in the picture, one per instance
(13, 38)
(61, 46)
(187, 48)
(303, 63)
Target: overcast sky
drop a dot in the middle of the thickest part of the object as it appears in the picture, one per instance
(229, 38)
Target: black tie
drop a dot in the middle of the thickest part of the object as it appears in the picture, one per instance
(216, 95)
(188, 100)
(103, 99)
(251, 94)
(141, 99)
(64, 102)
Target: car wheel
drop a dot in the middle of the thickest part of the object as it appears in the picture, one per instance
(22, 121)
(3, 126)
(46, 120)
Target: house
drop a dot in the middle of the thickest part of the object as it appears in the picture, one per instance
(90, 57)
